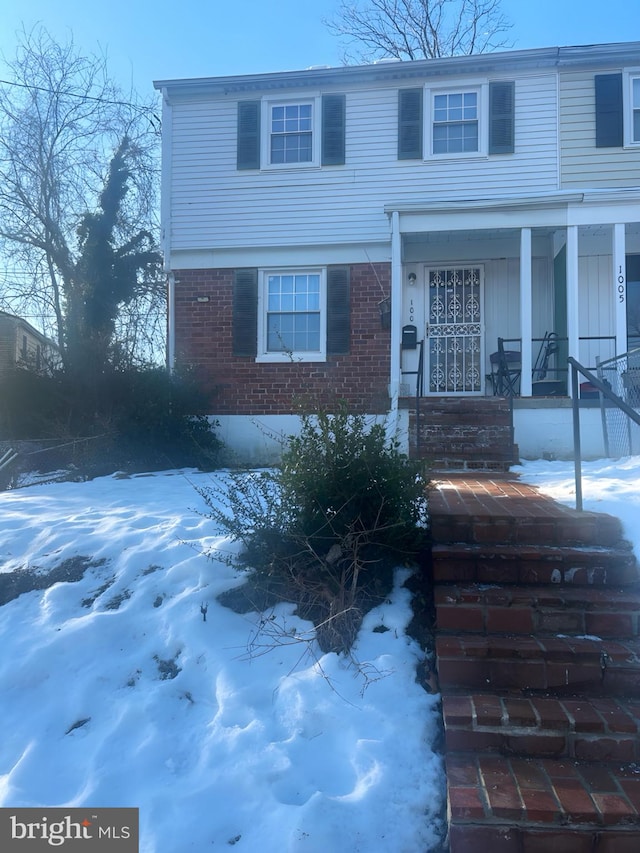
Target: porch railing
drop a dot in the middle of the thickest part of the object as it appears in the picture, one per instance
(606, 394)
(556, 369)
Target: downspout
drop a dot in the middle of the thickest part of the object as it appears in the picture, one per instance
(396, 314)
(171, 322)
(165, 216)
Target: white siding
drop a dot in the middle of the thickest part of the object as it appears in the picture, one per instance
(213, 205)
(582, 164)
(502, 301)
(596, 307)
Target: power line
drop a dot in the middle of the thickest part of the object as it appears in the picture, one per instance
(154, 119)
(32, 86)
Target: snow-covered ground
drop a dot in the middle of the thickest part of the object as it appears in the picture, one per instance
(115, 691)
(611, 486)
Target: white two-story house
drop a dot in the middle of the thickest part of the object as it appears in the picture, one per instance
(326, 229)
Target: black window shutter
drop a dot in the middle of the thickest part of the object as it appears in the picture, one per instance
(502, 117)
(338, 310)
(609, 121)
(245, 312)
(410, 124)
(333, 130)
(248, 149)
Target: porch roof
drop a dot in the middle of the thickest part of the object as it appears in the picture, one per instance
(556, 209)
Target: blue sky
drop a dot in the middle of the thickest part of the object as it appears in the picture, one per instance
(163, 39)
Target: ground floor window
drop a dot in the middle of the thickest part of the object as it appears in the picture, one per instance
(293, 314)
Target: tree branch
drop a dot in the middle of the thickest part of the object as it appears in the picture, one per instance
(418, 29)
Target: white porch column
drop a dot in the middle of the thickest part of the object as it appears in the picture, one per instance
(526, 323)
(573, 305)
(396, 309)
(619, 278)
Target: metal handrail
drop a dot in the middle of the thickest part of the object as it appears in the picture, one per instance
(606, 391)
(558, 371)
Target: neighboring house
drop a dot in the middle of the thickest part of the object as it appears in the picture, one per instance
(23, 346)
(318, 225)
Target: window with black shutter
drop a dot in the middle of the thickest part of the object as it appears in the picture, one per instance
(501, 117)
(248, 146)
(245, 312)
(308, 132)
(290, 322)
(410, 124)
(338, 310)
(609, 111)
(333, 130)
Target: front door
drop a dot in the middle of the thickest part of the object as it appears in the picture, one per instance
(454, 329)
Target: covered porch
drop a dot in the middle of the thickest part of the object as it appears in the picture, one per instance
(465, 275)
(515, 284)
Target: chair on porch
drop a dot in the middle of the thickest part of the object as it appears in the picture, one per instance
(505, 373)
(542, 385)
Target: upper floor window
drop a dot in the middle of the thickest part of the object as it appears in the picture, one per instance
(458, 122)
(465, 121)
(291, 133)
(455, 123)
(276, 133)
(635, 109)
(617, 109)
(291, 136)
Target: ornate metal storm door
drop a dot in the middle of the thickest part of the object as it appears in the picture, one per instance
(454, 330)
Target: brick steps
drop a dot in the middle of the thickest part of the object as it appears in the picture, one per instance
(562, 530)
(563, 665)
(597, 729)
(530, 564)
(510, 805)
(538, 657)
(463, 433)
(467, 447)
(541, 610)
(462, 462)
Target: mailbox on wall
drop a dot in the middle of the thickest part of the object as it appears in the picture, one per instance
(409, 337)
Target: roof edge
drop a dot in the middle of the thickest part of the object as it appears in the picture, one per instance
(546, 57)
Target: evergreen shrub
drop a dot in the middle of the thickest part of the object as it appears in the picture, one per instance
(330, 523)
(135, 419)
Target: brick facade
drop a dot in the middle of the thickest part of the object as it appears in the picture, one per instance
(239, 386)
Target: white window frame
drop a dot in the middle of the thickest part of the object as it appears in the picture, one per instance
(629, 76)
(481, 89)
(298, 356)
(265, 143)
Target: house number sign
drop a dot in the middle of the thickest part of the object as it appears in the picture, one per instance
(621, 285)
(411, 311)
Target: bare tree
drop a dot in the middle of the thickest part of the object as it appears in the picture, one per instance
(418, 29)
(61, 120)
